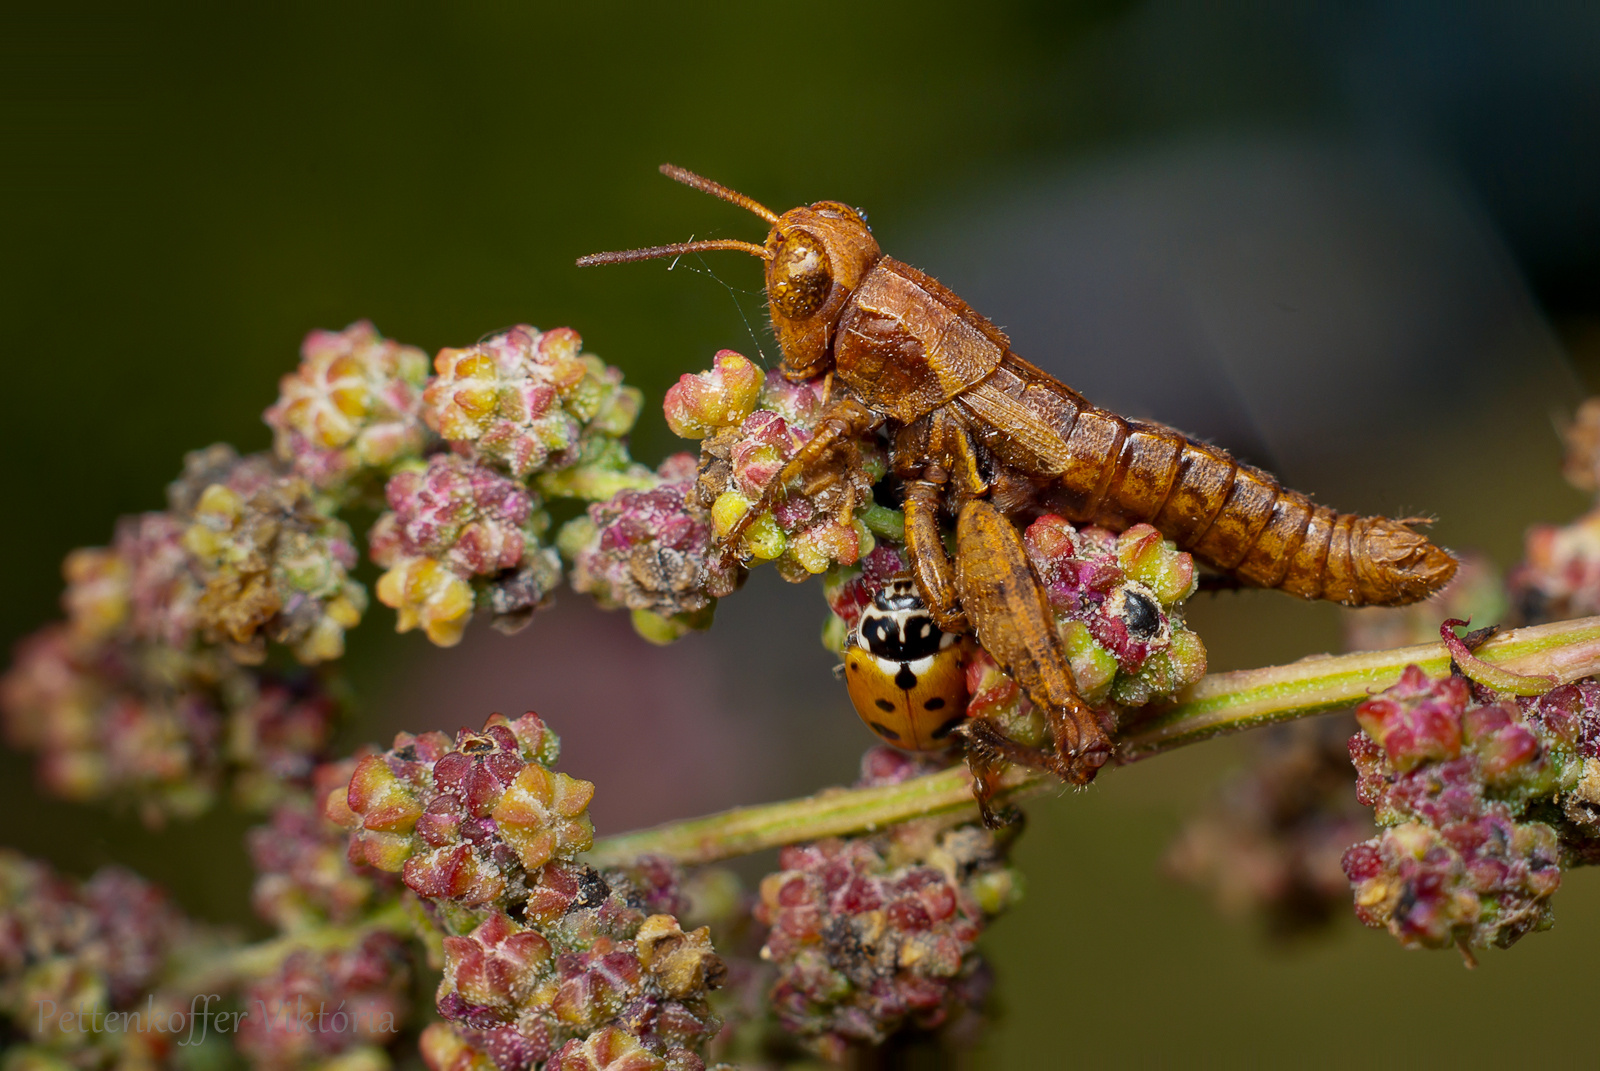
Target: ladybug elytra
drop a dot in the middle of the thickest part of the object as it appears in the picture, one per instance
(903, 673)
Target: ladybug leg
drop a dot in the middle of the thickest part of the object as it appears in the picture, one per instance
(843, 419)
(1006, 605)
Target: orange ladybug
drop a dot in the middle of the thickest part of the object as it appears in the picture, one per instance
(904, 673)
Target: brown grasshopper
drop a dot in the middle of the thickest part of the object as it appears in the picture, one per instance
(981, 434)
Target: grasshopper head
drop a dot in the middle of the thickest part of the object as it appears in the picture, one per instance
(816, 256)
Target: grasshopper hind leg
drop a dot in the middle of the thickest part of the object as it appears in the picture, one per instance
(1006, 603)
(993, 590)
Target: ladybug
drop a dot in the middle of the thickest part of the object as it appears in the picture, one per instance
(903, 672)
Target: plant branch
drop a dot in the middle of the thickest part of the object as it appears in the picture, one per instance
(218, 969)
(1220, 703)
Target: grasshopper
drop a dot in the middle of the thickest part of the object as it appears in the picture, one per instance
(980, 434)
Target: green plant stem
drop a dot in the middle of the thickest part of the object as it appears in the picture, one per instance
(1220, 703)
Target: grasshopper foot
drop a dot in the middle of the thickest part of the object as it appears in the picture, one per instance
(988, 751)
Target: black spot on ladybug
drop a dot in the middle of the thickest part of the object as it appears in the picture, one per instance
(944, 730)
(854, 668)
(936, 703)
(885, 705)
(1144, 619)
(883, 730)
(905, 679)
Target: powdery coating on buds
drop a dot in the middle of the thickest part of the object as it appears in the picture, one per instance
(527, 400)
(1559, 576)
(466, 820)
(1270, 845)
(355, 998)
(1453, 771)
(102, 943)
(538, 950)
(613, 1049)
(454, 528)
(651, 552)
(1483, 880)
(464, 514)
(275, 565)
(351, 408)
(748, 439)
(1418, 719)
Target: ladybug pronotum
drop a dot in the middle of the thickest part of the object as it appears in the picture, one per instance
(904, 673)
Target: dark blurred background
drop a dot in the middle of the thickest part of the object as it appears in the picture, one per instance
(1357, 242)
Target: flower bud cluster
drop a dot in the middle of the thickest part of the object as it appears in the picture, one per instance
(652, 551)
(459, 533)
(160, 729)
(528, 401)
(526, 416)
(93, 948)
(466, 821)
(1470, 788)
(1270, 844)
(1581, 463)
(1559, 575)
(143, 693)
(542, 954)
(871, 936)
(274, 565)
(328, 1010)
(351, 410)
(751, 427)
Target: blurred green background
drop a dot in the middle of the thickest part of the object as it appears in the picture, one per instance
(188, 191)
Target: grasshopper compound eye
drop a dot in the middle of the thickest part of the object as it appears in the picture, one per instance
(800, 278)
(904, 673)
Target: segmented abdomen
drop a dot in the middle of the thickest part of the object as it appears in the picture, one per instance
(1230, 515)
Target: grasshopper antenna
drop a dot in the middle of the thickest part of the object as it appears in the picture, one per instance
(716, 189)
(628, 256)
(704, 185)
